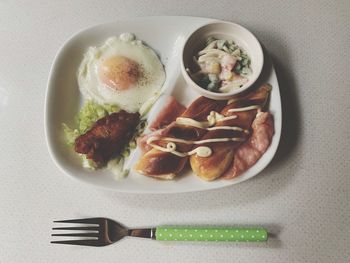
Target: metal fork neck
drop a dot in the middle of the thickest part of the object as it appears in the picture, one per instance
(142, 232)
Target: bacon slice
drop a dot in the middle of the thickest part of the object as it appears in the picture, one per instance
(252, 150)
(171, 110)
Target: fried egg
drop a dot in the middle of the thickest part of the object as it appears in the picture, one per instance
(122, 71)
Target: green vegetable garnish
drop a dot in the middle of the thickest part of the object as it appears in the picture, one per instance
(237, 68)
(87, 116)
(87, 163)
(70, 134)
(91, 112)
(221, 43)
(214, 82)
(204, 82)
(210, 39)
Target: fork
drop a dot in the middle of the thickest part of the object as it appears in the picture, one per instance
(100, 231)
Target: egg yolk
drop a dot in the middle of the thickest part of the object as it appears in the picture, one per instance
(118, 72)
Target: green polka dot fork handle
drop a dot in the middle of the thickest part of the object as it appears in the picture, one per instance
(100, 231)
(228, 234)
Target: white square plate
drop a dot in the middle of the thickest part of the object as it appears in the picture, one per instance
(166, 35)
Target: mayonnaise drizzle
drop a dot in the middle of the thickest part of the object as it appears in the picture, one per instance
(213, 118)
(234, 128)
(234, 139)
(253, 107)
(201, 125)
(191, 122)
(202, 151)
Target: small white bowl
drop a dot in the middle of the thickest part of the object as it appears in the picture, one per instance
(229, 31)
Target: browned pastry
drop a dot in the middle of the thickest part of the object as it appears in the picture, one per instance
(212, 167)
(108, 136)
(165, 165)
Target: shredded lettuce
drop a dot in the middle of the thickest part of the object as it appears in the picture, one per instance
(91, 112)
(132, 143)
(70, 134)
(87, 163)
(116, 166)
(87, 116)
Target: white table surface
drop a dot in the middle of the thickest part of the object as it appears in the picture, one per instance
(302, 197)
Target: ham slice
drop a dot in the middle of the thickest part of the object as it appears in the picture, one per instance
(168, 114)
(252, 150)
(142, 141)
(171, 110)
(221, 159)
(159, 164)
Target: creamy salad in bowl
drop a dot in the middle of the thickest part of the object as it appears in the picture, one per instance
(222, 66)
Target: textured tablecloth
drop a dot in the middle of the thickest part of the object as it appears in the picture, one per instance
(302, 197)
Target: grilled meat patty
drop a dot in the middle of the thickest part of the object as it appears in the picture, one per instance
(107, 137)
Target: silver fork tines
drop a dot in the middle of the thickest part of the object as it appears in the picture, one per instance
(98, 232)
(87, 242)
(84, 228)
(91, 221)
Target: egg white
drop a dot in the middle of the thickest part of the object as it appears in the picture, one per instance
(146, 88)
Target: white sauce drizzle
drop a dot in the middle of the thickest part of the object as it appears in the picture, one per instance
(234, 139)
(191, 122)
(253, 107)
(234, 128)
(213, 118)
(230, 101)
(202, 151)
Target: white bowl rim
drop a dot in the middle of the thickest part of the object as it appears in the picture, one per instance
(223, 96)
